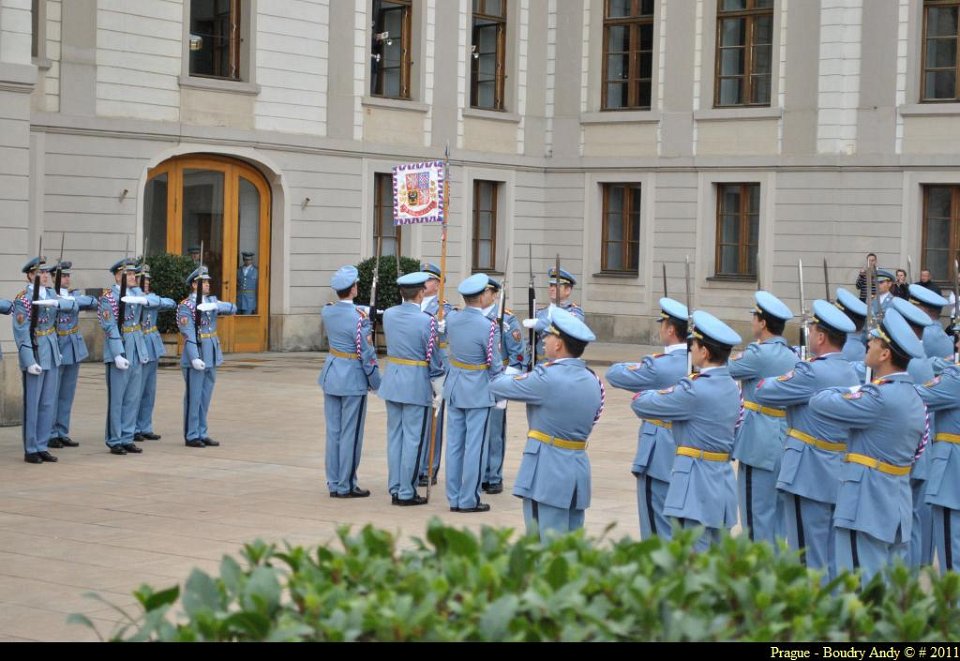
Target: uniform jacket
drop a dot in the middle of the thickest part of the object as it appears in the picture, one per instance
(209, 351)
(936, 343)
(148, 322)
(73, 349)
(474, 340)
(247, 288)
(131, 344)
(48, 348)
(942, 396)
(513, 347)
(411, 335)
(543, 322)
(347, 329)
(854, 349)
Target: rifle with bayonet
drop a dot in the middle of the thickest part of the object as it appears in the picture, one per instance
(686, 277)
(121, 306)
(803, 313)
(34, 308)
(373, 293)
(501, 312)
(956, 310)
(826, 280)
(58, 278)
(197, 302)
(663, 272)
(532, 307)
(871, 320)
(144, 267)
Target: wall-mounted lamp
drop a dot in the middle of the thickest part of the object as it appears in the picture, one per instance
(123, 194)
(196, 42)
(473, 49)
(306, 201)
(383, 38)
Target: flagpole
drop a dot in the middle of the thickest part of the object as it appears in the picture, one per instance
(440, 300)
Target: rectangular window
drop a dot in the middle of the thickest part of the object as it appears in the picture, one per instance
(940, 62)
(486, 201)
(489, 49)
(35, 28)
(215, 38)
(620, 242)
(744, 52)
(941, 231)
(383, 228)
(390, 52)
(627, 54)
(738, 229)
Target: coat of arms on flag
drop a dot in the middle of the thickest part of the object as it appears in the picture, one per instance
(417, 188)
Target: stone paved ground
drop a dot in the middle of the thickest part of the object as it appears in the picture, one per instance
(103, 523)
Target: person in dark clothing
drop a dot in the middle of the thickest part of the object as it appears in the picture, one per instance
(900, 286)
(861, 283)
(927, 281)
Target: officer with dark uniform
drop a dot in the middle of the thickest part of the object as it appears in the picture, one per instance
(887, 427)
(761, 436)
(561, 286)
(704, 410)
(349, 372)
(73, 350)
(155, 349)
(653, 463)
(247, 281)
(201, 356)
(810, 469)
(564, 401)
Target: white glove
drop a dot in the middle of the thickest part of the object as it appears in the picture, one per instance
(134, 300)
(207, 307)
(511, 370)
(35, 369)
(501, 404)
(436, 384)
(198, 364)
(121, 362)
(529, 323)
(442, 326)
(64, 294)
(45, 302)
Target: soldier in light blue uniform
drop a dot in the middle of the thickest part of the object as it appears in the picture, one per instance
(514, 349)
(884, 298)
(124, 353)
(761, 436)
(6, 307)
(412, 382)
(813, 454)
(349, 372)
(656, 450)
(705, 410)
(199, 363)
(942, 396)
(41, 367)
(247, 282)
(431, 305)
(155, 349)
(920, 369)
(564, 401)
(888, 426)
(564, 284)
(475, 361)
(73, 350)
(936, 343)
(855, 348)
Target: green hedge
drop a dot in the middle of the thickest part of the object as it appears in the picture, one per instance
(459, 585)
(387, 293)
(167, 275)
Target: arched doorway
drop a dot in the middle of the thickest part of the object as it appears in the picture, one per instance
(225, 204)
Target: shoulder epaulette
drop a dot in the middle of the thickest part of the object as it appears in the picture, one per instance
(658, 355)
(328, 305)
(363, 315)
(21, 294)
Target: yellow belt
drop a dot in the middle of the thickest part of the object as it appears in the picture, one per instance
(406, 361)
(152, 329)
(702, 454)
(342, 354)
(443, 345)
(207, 336)
(43, 333)
(659, 423)
(468, 366)
(876, 464)
(766, 410)
(816, 442)
(247, 291)
(131, 329)
(556, 442)
(947, 438)
(64, 333)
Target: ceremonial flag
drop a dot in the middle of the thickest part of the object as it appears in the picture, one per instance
(418, 193)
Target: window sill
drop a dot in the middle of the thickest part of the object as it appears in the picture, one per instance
(618, 275)
(394, 104)
(42, 63)
(737, 113)
(218, 85)
(495, 115)
(932, 109)
(487, 272)
(744, 282)
(621, 117)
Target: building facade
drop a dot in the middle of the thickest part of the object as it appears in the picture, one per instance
(622, 134)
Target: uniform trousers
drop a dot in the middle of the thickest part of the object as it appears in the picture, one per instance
(946, 537)
(651, 493)
(857, 550)
(66, 391)
(123, 403)
(493, 473)
(921, 537)
(196, 401)
(761, 505)
(468, 433)
(437, 447)
(547, 520)
(39, 404)
(344, 417)
(406, 429)
(809, 527)
(148, 397)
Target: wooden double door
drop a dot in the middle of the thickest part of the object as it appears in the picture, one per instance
(223, 204)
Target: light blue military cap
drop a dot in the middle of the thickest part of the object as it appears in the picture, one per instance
(246, 254)
(566, 323)
(923, 296)
(201, 273)
(475, 284)
(344, 277)
(671, 308)
(495, 284)
(895, 331)
(830, 316)
(65, 267)
(432, 269)
(566, 278)
(708, 328)
(884, 274)
(767, 303)
(850, 303)
(33, 263)
(914, 315)
(126, 263)
(415, 279)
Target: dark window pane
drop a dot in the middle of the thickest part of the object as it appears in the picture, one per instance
(938, 201)
(763, 4)
(941, 85)
(616, 95)
(646, 36)
(732, 32)
(493, 8)
(942, 21)
(941, 53)
(729, 259)
(646, 65)
(614, 256)
(760, 94)
(617, 66)
(731, 61)
(730, 229)
(754, 190)
(763, 30)
(646, 7)
(618, 39)
(733, 5)
(618, 8)
(761, 59)
(730, 91)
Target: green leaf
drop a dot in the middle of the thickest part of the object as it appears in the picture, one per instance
(200, 594)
